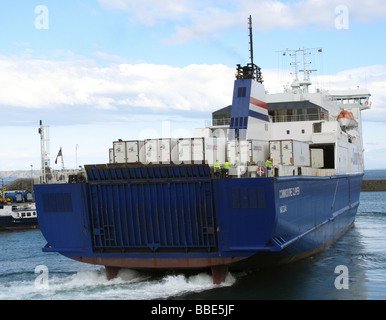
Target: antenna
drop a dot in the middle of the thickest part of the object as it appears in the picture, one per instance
(250, 38)
(250, 71)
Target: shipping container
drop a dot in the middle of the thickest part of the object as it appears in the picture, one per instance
(167, 150)
(259, 151)
(215, 150)
(131, 151)
(290, 152)
(191, 150)
(161, 150)
(247, 151)
(151, 150)
(119, 151)
(135, 151)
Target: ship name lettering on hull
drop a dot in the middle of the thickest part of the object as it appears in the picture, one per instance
(290, 192)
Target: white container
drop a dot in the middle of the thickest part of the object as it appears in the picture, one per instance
(131, 151)
(151, 151)
(290, 152)
(198, 153)
(184, 150)
(135, 151)
(247, 151)
(119, 152)
(259, 151)
(167, 151)
(233, 151)
(160, 150)
(191, 149)
(215, 150)
(275, 152)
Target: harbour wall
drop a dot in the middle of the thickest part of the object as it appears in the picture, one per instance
(374, 185)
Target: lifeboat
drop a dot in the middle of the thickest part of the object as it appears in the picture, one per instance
(346, 120)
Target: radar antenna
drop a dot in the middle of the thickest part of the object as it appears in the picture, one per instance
(250, 71)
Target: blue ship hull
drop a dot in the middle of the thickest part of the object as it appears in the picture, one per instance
(181, 217)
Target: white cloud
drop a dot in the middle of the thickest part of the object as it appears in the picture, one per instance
(118, 90)
(81, 86)
(204, 19)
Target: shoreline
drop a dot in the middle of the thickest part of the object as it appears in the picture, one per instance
(374, 185)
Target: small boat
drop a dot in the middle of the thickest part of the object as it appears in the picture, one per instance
(347, 120)
(18, 216)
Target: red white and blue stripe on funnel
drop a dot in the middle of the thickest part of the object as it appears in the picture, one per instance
(246, 103)
(258, 109)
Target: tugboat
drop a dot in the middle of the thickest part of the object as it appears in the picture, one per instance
(274, 178)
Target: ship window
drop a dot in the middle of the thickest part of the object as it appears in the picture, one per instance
(242, 92)
(28, 214)
(303, 131)
(317, 127)
(288, 132)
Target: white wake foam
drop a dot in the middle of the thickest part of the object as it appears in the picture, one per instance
(129, 284)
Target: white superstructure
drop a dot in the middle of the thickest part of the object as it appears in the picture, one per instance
(302, 132)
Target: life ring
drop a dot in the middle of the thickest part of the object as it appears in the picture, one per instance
(366, 103)
(260, 171)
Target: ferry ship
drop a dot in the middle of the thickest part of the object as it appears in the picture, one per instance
(214, 201)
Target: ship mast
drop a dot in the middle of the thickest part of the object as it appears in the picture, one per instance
(305, 83)
(250, 71)
(250, 38)
(44, 149)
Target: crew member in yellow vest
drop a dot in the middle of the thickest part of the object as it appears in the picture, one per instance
(217, 166)
(227, 165)
(268, 165)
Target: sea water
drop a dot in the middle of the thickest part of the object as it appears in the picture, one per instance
(28, 273)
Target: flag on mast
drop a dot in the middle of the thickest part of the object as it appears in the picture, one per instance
(60, 154)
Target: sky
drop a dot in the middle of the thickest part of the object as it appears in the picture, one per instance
(96, 71)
